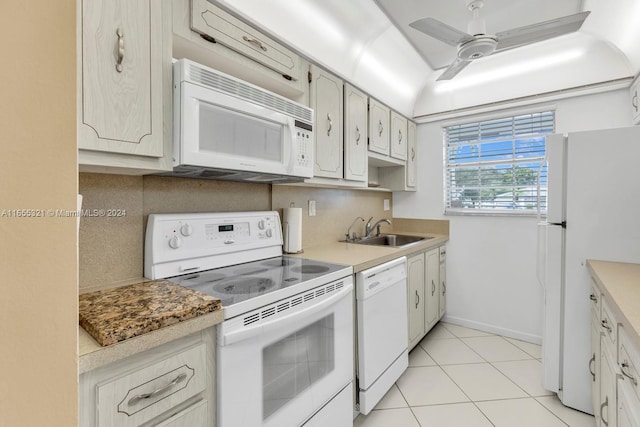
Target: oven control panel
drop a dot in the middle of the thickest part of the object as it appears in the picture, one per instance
(193, 242)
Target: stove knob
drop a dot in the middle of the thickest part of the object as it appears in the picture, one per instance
(269, 232)
(261, 224)
(175, 242)
(186, 230)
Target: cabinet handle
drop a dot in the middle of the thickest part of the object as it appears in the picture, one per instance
(399, 136)
(634, 101)
(433, 288)
(444, 287)
(357, 135)
(417, 299)
(592, 361)
(380, 128)
(593, 298)
(159, 391)
(257, 43)
(329, 124)
(120, 49)
(605, 324)
(413, 154)
(623, 367)
(604, 405)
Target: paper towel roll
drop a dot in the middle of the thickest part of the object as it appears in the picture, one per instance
(292, 230)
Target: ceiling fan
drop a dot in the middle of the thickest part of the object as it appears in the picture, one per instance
(476, 43)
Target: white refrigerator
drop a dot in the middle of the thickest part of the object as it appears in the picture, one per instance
(593, 212)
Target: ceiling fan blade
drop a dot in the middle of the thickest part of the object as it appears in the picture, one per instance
(441, 31)
(453, 69)
(540, 31)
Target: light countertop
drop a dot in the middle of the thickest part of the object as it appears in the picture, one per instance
(620, 283)
(362, 257)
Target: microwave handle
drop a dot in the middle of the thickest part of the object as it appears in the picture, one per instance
(290, 153)
(284, 322)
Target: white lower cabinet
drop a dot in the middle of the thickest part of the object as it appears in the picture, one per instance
(425, 295)
(171, 385)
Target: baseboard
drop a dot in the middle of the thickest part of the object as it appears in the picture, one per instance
(485, 327)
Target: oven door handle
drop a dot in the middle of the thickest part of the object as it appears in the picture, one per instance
(283, 322)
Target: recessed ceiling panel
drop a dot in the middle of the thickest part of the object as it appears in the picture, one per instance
(499, 15)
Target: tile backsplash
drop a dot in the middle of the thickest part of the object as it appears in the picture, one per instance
(112, 247)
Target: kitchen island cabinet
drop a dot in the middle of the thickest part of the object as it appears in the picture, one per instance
(615, 343)
(124, 86)
(170, 385)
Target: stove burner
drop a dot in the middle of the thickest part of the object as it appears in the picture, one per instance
(246, 271)
(282, 262)
(244, 285)
(310, 269)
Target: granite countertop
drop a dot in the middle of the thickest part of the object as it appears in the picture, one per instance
(122, 321)
(620, 283)
(362, 257)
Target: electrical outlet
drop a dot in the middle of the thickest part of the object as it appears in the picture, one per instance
(387, 204)
(312, 208)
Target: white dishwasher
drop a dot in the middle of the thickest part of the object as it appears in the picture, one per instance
(381, 295)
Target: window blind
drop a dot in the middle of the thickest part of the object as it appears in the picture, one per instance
(497, 165)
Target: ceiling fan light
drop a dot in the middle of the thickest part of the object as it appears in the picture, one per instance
(480, 47)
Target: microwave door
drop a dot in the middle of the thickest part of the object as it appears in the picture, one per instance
(221, 131)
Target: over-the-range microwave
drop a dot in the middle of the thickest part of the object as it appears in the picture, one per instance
(226, 128)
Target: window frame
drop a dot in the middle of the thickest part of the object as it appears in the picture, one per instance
(541, 188)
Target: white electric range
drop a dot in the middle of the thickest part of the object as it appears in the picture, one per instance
(285, 350)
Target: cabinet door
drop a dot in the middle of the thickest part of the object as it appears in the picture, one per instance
(398, 138)
(412, 155)
(432, 288)
(608, 399)
(628, 406)
(355, 137)
(229, 31)
(443, 289)
(326, 101)
(378, 127)
(415, 298)
(594, 367)
(121, 105)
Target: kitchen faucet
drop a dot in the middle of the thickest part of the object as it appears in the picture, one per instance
(355, 236)
(369, 228)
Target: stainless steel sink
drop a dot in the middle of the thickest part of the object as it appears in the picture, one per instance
(394, 240)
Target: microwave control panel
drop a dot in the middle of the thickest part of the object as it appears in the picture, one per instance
(304, 145)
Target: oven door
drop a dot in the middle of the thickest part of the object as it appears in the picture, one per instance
(220, 131)
(288, 361)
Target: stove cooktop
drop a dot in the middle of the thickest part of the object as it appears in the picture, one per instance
(244, 287)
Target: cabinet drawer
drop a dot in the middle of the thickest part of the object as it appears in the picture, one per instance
(629, 361)
(609, 327)
(144, 394)
(193, 416)
(227, 30)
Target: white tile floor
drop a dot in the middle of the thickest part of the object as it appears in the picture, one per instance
(460, 377)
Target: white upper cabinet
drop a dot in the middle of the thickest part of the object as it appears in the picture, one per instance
(223, 28)
(398, 137)
(379, 119)
(355, 134)
(327, 102)
(124, 78)
(412, 156)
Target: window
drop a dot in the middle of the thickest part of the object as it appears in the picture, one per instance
(492, 166)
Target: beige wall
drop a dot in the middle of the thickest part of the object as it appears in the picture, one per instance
(335, 210)
(112, 249)
(38, 256)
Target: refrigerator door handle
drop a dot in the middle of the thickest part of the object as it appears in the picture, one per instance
(541, 254)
